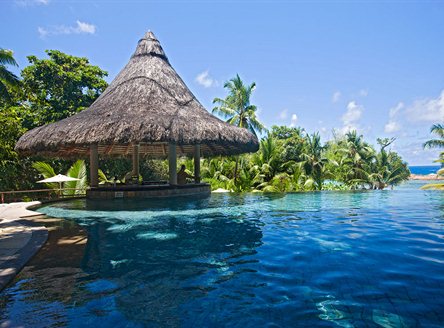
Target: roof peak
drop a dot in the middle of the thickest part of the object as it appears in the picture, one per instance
(148, 45)
(150, 35)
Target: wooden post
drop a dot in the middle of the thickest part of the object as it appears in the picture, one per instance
(136, 161)
(172, 163)
(197, 163)
(94, 164)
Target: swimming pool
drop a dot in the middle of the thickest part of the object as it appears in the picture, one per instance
(326, 259)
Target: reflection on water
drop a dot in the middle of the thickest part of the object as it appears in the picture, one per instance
(347, 259)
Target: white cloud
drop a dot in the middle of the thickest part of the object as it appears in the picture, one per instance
(85, 28)
(427, 110)
(336, 96)
(294, 119)
(363, 92)
(393, 125)
(205, 80)
(283, 114)
(395, 110)
(25, 3)
(351, 117)
(79, 28)
(42, 32)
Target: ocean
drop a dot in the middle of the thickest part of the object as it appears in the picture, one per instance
(424, 170)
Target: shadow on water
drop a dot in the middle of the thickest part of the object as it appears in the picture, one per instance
(160, 266)
(141, 270)
(171, 204)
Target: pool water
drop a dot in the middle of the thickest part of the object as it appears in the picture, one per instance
(324, 259)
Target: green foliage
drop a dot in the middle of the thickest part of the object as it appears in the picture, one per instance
(51, 89)
(60, 86)
(10, 131)
(8, 80)
(348, 162)
(236, 107)
(237, 110)
(438, 130)
(77, 170)
(47, 171)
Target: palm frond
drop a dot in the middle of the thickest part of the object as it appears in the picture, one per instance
(46, 171)
(434, 143)
(78, 171)
(7, 57)
(437, 186)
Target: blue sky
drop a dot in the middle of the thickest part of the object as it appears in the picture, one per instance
(375, 66)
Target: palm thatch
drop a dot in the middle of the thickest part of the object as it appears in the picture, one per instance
(146, 104)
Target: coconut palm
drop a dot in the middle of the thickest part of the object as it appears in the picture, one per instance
(7, 78)
(358, 157)
(437, 129)
(266, 161)
(314, 162)
(237, 109)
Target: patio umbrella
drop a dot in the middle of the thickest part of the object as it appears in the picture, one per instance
(59, 178)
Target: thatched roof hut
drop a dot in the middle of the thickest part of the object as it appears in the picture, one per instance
(147, 104)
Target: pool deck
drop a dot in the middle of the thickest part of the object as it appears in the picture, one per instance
(19, 239)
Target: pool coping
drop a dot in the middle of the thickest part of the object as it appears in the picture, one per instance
(20, 240)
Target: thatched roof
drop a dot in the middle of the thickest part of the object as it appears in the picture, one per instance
(147, 103)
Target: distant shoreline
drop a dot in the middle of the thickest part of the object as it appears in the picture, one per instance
(431, 176)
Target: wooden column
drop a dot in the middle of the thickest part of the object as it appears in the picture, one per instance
(172, 163)
(136, 161)
(94, 164)
(197, 163)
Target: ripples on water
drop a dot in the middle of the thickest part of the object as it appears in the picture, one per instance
(347, 259)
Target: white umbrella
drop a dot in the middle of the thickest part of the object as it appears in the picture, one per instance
(58, 178)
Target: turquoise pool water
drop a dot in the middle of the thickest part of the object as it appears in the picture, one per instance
(326, 259)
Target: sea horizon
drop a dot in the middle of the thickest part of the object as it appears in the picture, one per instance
(424, 169)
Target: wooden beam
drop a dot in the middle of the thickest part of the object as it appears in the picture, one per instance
(136, 160)
(94, 165)
(197, 163)
(172, 163)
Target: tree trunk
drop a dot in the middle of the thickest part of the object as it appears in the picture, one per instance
(235, 169)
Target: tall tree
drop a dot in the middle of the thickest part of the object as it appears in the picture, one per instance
(60, 86)
(358, 157)
(8, 79)
(438, 130)
(237, 109)
(314, 161)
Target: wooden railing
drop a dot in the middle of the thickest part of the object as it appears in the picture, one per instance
(38, 194)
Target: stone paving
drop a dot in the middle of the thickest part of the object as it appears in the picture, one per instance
(19, 239)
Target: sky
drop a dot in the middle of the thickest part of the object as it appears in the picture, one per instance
(374, 66)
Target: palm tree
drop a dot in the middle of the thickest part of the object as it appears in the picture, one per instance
(358, 155)
(266, 159)
(7, 78)
(437, 129)
(314, 161)
(237, 109)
